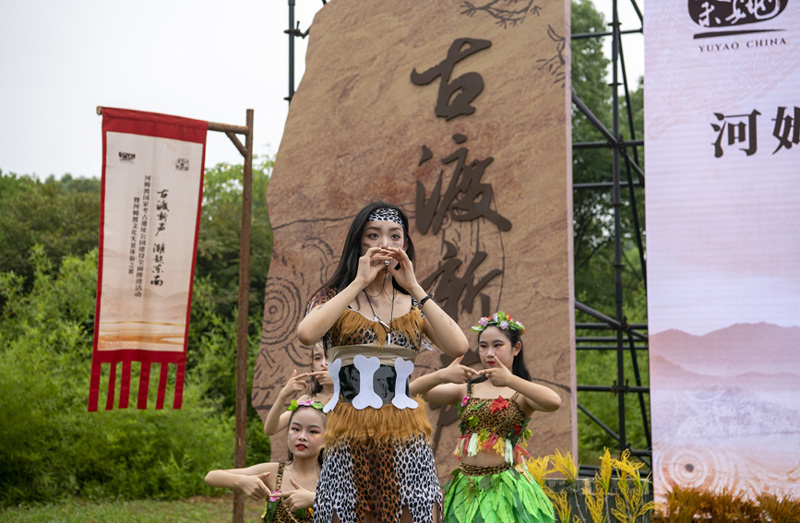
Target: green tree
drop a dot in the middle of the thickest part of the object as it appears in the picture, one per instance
(213, 329)
(50, 446)
(61, 215)
(220, 227)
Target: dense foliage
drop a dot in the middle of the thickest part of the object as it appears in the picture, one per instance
(50, 446)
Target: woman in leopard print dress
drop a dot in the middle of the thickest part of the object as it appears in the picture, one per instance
(378, 459)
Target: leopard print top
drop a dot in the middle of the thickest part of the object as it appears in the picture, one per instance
(501, 422)
(279, 512)
(406, 330)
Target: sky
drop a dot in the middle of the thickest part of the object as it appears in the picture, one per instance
(202, 59)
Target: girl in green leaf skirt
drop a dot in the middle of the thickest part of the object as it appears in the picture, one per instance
(492, 483)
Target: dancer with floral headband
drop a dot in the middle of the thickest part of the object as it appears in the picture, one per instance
(372, 315)
(492, 483)
(289, 487)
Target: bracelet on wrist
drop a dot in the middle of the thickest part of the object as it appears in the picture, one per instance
(423, 300)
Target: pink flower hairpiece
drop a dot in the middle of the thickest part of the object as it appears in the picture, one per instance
(501, 320)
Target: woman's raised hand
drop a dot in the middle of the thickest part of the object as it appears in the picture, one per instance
(371, 263)
(254, 486)
(498, 375)
(402, 269)
(295, 385)
(457, 373)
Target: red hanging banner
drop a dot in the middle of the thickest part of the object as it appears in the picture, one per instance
(151, 194)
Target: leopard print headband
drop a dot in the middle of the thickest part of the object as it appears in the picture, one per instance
(386, 214)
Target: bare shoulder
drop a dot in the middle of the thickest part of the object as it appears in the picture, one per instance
(271, 467)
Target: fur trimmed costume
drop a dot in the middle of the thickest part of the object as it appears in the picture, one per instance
(502, 494)
(378, 457)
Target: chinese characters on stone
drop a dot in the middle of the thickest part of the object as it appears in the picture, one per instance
(742, 130)
(466, 196)
(455, 96)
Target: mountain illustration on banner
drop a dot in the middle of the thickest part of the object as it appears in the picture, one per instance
(726, 407)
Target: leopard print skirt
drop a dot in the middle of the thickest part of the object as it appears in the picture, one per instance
(382, 477)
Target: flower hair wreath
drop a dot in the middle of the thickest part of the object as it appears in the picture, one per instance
(502, 321)
(294, 405)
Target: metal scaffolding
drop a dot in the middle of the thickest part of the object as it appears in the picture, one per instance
(624, 337)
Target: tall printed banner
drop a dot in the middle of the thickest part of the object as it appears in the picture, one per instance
(152, 189)
(722, 112)
(460, 114)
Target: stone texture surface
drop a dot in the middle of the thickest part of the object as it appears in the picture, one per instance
(356, 131)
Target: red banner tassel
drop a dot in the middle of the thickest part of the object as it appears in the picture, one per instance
(144, 385)
(162, 385)
(125, 385)
(178, 401)
(112, 385)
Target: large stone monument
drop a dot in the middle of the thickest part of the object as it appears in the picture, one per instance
(460, 114)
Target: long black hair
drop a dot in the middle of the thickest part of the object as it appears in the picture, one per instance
(518, 367)
(316, 386)
(351, 252)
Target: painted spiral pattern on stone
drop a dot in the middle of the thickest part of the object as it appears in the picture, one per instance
(283, 308)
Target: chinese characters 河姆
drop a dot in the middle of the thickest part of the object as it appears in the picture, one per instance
(743, 129)
(142, 247)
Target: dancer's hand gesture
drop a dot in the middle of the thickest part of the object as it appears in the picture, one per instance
(499, 375)
(295, 385)
(371, 263)
(297, 499)
(402, 269)
(254, 486)
(457, 373)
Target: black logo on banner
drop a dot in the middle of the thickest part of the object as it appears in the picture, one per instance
(733, 15)
(126, 157)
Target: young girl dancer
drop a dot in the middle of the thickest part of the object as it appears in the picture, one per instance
(378, 458)
(319, 390)
(491, 483)
(288, 487)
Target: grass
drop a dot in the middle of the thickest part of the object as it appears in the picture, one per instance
(197, 509)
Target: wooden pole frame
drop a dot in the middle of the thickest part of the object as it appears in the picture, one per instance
(240, 452)
(246, 150)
